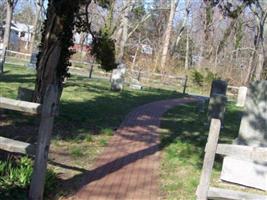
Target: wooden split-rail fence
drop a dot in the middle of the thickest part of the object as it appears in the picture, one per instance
(47, 111)
(156, 80)
(204, 191)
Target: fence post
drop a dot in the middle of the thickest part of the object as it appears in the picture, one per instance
(139, 75)
(91, 70)
(49, 110)
(210, 151)
(2, 60)
(185, 84)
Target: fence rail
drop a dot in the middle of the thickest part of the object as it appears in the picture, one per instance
(147, 79)
(23, 106)
(16, 146)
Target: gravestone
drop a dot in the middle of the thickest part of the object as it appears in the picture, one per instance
(33, 60)
(217, 100)
(200, 108)
(135, 84)
(241, 97)
(216, 107)
(218, 87)
(252, 132)
(117, 78)
(25, 94)
(1, 49)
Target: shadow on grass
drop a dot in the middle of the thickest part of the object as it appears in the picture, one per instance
(14, 78)
(187, 129)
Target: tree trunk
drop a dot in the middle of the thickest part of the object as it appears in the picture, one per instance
(82, 43)
(136, 52)
(261, 48)
(91, 70)
(9, 14)
(167, 35)
(250, 68)
(52, 66)
(39, 4)
(259, 67)
(186, 65)
(187, 37)
(53, 58)
(124, 35)
(256, 70)
(185, 22)
(208, 29)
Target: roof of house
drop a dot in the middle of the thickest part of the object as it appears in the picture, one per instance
(20, 27)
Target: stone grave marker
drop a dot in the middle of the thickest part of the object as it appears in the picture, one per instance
(217, 100)
(252, 132)
(33, 60)
(241, 97)
(135, 84)
(218, 87)
(200, 108)
(1, 49)
(117, 77)
(216, 107)
(25, 94)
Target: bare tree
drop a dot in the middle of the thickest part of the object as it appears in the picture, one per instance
(167, 35)
(39, 5)
(10, 4)
(259, 8)
(187, 35)
(124, 28)
(184, 24)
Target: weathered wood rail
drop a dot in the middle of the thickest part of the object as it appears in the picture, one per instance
(150, 79)
(18, 105)
(204, 191)
(15, 146)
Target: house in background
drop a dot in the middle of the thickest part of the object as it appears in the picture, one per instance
(20, 36)
(82, 42)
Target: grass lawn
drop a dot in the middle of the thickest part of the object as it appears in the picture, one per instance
(184, 137)
(89, 113)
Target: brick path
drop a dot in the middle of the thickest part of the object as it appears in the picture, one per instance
(129, 167)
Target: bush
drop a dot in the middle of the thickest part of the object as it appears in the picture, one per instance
(16, 176)
(197, 78)
(210, 76)
(103, 48)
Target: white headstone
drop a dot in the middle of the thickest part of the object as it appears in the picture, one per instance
(1, 51)
(135, 84)
(241, 98)
(117, 78)
(252, 132)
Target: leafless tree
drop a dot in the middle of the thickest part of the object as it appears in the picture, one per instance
(10, 4)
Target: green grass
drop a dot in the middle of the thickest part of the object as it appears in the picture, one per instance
(184, 136)
(77, 152)
(89, 114)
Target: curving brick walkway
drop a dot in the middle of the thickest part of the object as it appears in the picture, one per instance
(129, 167)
